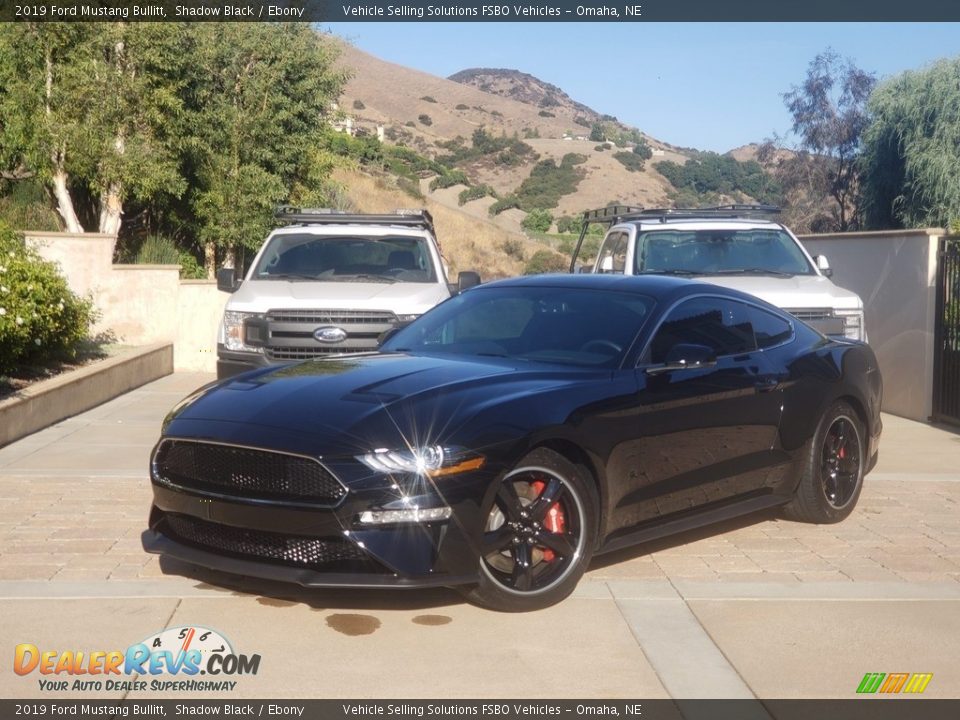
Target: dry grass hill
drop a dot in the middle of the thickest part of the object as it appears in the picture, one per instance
(396, 97)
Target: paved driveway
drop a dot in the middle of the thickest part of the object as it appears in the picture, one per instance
(759, 607)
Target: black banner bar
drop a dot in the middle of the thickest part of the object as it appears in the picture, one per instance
(332, 11)
(865, 708)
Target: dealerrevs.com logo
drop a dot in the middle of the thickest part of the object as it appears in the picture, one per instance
(172, 659)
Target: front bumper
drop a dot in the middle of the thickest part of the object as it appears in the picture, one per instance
(279, 540)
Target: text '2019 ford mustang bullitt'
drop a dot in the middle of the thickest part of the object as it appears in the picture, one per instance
(501, 440)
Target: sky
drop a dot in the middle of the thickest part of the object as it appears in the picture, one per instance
(707, 86)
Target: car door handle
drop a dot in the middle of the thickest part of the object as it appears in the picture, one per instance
(767, 383)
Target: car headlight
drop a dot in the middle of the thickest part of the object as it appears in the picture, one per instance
(853, 325)
(432, 461)
(231, 331)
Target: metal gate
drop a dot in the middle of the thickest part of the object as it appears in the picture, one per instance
(946, 363)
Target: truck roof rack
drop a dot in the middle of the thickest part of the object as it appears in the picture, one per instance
(614, 214)
(328, 216)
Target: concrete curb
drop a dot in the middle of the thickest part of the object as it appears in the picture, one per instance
(51, 401)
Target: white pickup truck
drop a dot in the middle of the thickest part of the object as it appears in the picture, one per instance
(330, 283)
(736, 246)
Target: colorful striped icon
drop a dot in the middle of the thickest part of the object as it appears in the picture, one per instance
(894, 683)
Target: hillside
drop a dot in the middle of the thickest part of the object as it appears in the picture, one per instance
(399, 99)
(525, 88)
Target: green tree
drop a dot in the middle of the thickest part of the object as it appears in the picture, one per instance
(910, 166)
(92, 110)
(260, 96)
(596, 133)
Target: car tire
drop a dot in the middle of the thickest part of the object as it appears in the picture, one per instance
(834, 468)
(539, 535)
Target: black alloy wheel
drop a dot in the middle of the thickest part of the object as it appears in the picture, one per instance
(538, 536)
(840, 464)
(833, 475)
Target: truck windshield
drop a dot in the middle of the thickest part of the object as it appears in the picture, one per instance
(720, 252)
(352, 258)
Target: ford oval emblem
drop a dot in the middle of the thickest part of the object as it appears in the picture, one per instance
(330, 334)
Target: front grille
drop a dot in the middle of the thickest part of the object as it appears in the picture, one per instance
(292, 550)
(246, 473)
(290, 332)
(808, 314)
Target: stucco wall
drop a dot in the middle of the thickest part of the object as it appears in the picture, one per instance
(139, 304)
(895, 274)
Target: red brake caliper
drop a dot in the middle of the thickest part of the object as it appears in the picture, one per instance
(554, 522)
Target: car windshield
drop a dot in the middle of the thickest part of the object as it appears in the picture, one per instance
(720, 252)
(563, 325)
(354, 258)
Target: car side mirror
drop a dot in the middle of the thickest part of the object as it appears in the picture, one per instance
(823, 266)
(467, 280)
(686, 356)
(227, 280)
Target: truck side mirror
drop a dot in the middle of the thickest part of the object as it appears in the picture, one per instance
(823, 266)
(467, 280)
(227, 280)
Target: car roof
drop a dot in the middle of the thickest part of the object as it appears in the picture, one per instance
(660, 287)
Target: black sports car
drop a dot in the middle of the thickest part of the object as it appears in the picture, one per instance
(505, 437)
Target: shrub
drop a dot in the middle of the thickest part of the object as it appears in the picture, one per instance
(537, 221)
(631, 161)
(449, 179)
(546, 261)
(26, 207)
(461, 106)
(548, 182)
(513, 247)
(581, 120)
(410, 123)
(505, 203)
(600, 148)
(546, 113)
(596, 133)
(425, 119)
(358, 105)
(429, 99)
(40, 317)
(568, 224)
(160, 250)
(642, 149)
(475, 193)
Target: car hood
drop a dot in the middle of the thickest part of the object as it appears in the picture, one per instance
(799, 291)
(402, 297)
(340, 404)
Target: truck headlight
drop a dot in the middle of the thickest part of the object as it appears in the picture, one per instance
(853, 325)
(231, 331)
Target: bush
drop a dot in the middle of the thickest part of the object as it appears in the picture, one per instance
(548, 182)
(513, 247)
(596, 133)
(631, 161)
(449, 179)
(160, 250)
(429, 99)
(475, 193)
(581, 120)
(26, 207)
(642, 149)
(425, 119)
(600, 148)
(568, 224)
(358, 105)
(506, 203)
(461, 106)
(546, 113)
(546, 261)
(410, 123)
(537, 221)
(40, 317)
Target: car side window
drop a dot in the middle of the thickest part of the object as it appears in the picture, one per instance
(769, 329)
(613, 254)
(720, 324)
